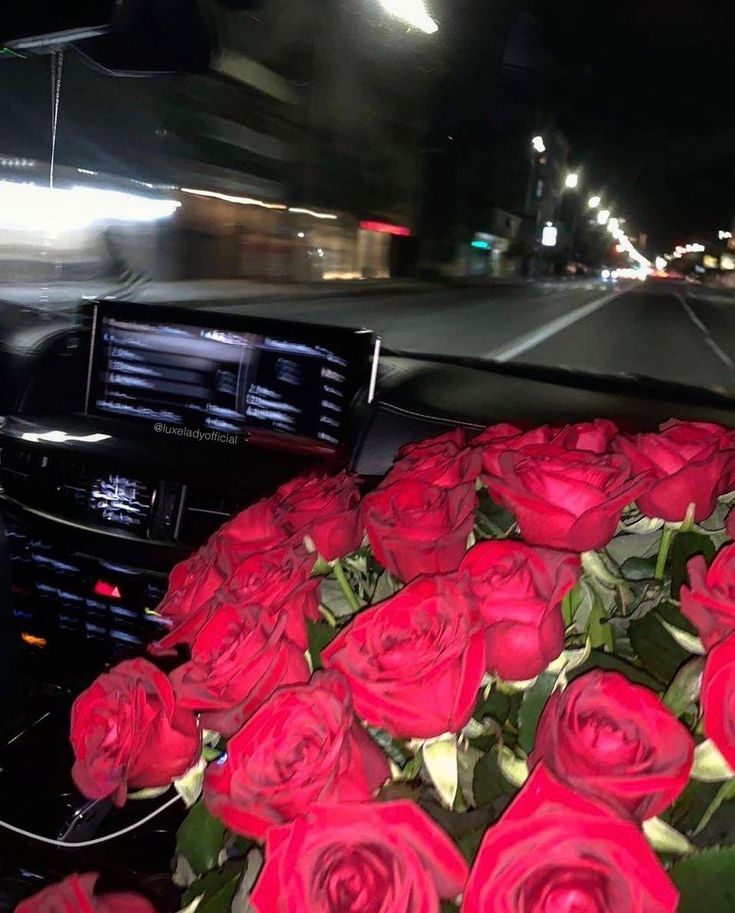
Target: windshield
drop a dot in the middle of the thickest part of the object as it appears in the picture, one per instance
(515, 182)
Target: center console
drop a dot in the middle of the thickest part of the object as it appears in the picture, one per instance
(171, 421)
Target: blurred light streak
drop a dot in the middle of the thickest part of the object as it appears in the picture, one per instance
(385, 228)
(229, 198)
(311, 212)
(413, 13)
(29, 207)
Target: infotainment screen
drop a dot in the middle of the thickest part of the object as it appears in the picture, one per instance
(227, 374)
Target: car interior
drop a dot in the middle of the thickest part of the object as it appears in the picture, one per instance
(130, 432)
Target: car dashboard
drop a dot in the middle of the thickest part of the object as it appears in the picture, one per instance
(96, 506)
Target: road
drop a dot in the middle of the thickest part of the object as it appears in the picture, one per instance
(676, 332)
(673, 331)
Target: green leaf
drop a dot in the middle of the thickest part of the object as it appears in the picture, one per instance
(657, 650)
(217, 889)
(709, 764)
(706, 882)
(666, 839)
(468, 845)
(636, 568)
(683, 692)
(496, 705)
(200, 839)
(534, 701)
(440, 761)
(320, 636)
(488, 783)
(723, 798)
(571, 603)
(686, 546)
(601, 660)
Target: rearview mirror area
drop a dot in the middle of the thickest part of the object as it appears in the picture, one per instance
(120, 37)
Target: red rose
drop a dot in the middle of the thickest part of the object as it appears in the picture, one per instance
(718, 698)
(278, 580)
(75, 895)
(239, 658)
(415, 528)
(554, 851)
(303, 746)
(415, 661)
(566, 499)
(382, 857)
(499, 439)
(596, 437)
(128, 730)
(325, 509)
(193, 582)
(517, 591)
(688, 463)
(709, 600)
(615, 742)
(444, 461)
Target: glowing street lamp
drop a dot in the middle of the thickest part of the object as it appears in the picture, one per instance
(603, 216)
(594, 202)
(413, 12)
(571, 182)
(538, 144)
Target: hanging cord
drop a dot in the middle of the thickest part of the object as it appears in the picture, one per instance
(57, 66)
(105, 839)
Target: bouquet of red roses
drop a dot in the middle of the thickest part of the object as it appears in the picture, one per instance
(502, 681)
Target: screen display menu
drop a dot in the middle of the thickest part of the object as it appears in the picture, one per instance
(216, 379)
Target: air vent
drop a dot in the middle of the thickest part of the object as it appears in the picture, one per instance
(73, 488)
(205, 510)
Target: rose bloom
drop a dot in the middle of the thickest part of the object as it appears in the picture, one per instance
(193, 582)
(709, 600)
(76, 895)
(615, 742)
(565, 499)
(554, 851)
(718, 698)
(277, 579)
(239, 658)
(595, 437)
(324, 508)
(517, 590)
(302, 747)
(445, 461)
(415, 528)
(414, 662)
(499, 439)
(127, 730)
(371, 857)
(689, 464)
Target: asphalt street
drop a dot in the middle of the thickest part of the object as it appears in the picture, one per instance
(671, 331)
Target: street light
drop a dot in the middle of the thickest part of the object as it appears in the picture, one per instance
(572, 180)
(413, 13)
(594, 202)
(602, 216)
(538, 144)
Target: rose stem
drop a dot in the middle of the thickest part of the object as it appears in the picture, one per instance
(667, 537)
(339, 573)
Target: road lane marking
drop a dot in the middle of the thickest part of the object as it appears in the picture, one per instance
(704, 330)
(522, 344)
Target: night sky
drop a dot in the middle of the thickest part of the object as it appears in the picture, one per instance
(645, 91)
